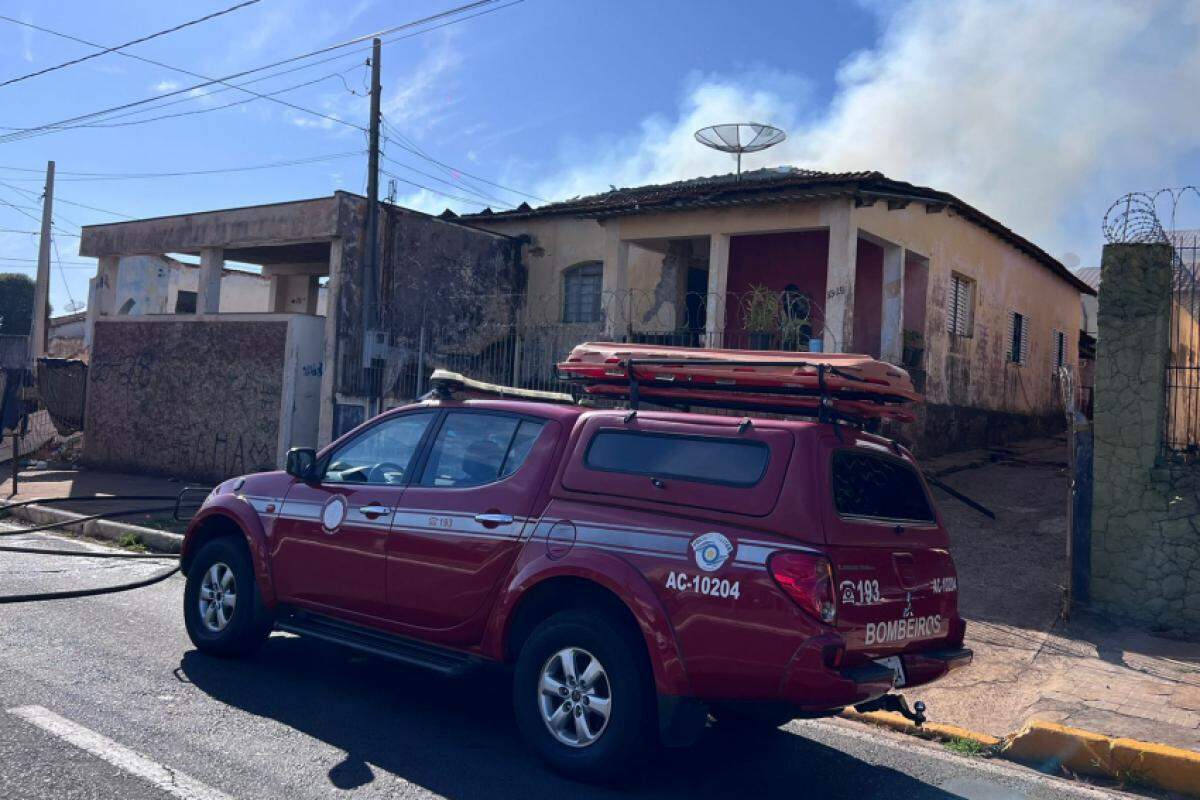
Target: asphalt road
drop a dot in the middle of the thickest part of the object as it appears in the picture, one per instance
(106, 697)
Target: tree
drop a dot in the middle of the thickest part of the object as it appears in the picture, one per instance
(16, 303)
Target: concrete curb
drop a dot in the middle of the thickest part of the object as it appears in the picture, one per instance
(153, 539)
(1049, 747)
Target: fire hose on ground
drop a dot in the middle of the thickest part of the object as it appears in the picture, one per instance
(180, 502)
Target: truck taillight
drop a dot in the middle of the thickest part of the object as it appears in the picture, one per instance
(808, 579)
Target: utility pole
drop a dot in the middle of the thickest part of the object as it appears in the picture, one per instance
(41, 294)
(371, 311)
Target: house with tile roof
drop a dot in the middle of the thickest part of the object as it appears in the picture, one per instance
(794, 259)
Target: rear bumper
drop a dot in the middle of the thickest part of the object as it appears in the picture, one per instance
(811, 685)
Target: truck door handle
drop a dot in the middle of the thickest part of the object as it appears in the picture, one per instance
(492, 520)
(374, 511)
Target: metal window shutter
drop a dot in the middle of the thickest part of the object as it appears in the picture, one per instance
(952, 317)
(1008, 341)
(1025, 340)
(965, 303)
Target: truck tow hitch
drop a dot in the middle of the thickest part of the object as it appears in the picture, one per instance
(897, 703)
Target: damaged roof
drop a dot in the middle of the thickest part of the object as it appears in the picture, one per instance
(772, 185)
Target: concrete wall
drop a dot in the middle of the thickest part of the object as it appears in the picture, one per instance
(462, 284)
(201, 398)
(1145, 510)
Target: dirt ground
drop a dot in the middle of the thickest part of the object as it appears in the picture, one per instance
(1087, 670)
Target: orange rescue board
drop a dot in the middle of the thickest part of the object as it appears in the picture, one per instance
(857, 385)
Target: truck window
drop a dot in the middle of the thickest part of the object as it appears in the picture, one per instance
(878, 487)
(472, 449)
(381, 454)
(703, 459)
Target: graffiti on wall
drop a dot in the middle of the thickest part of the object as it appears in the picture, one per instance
(191, 399)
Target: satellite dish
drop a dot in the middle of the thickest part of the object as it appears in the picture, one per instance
(740, 137)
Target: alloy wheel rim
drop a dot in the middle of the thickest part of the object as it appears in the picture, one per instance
(574, 697)
(218, 597)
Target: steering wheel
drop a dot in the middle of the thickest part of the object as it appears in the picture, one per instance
(386, 472)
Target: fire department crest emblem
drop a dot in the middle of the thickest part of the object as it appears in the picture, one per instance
(711, 550)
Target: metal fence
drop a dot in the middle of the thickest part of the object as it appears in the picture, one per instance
(1181, 431)
(524, 347)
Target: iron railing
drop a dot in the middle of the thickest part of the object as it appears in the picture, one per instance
(517, 341)
(1181, 429)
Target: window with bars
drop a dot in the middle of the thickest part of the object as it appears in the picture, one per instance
(961, 313)
(582, 285)
(1018, 338)
(1059, 353)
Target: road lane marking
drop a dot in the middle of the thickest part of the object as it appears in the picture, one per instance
(167, 779)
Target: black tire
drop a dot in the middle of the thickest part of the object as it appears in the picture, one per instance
(248, 624)
(630, 732)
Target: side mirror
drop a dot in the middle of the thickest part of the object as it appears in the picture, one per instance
(301, 463)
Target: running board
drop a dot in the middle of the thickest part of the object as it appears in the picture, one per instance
(396, 648)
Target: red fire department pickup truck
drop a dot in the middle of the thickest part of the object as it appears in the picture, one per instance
(638, 571)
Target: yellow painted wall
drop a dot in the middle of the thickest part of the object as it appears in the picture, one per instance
(971, 371)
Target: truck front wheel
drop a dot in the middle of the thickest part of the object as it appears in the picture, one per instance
(222, 610)
(583, 696)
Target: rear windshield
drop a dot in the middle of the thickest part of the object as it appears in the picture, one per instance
(693, 458)
(878, 487)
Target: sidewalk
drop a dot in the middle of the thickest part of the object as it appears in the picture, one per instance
(56, 481)
(1088, 672)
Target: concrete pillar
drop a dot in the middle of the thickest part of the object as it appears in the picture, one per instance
(329, 367)
(102, 293)
(616, 301)
(838, 334)
(892, 329)
(1144, 509)
(208, 291)
(718, 287)
(1132, 349)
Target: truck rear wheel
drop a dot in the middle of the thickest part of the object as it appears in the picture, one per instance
(222, 610)
(583, 696)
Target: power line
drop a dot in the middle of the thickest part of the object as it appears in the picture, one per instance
(34, 233)
(61, 273)
(431, 189)
(121, 176)
(130, 43)
(57, 199)
(50, 126)
(448, 183)
(72, 264)
(239, 86)
(417, 151)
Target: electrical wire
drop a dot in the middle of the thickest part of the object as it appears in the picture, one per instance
(431, 189)
(130, 43)
(433, 177)
(59, 199)
(62, 274)
(121, 176)
(68, 122)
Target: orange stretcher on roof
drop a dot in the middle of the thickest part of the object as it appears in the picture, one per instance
(848, 385)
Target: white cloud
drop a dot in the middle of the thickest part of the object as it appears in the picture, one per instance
(166, 86)
(27, 36)
(1036, 112)
(423, 97)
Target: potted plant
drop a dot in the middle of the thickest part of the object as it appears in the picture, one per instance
(795, 320)
(760, 316)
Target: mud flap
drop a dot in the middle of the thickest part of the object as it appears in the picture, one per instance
(681, 720)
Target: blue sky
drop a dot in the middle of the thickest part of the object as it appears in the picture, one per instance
(1032, 111)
